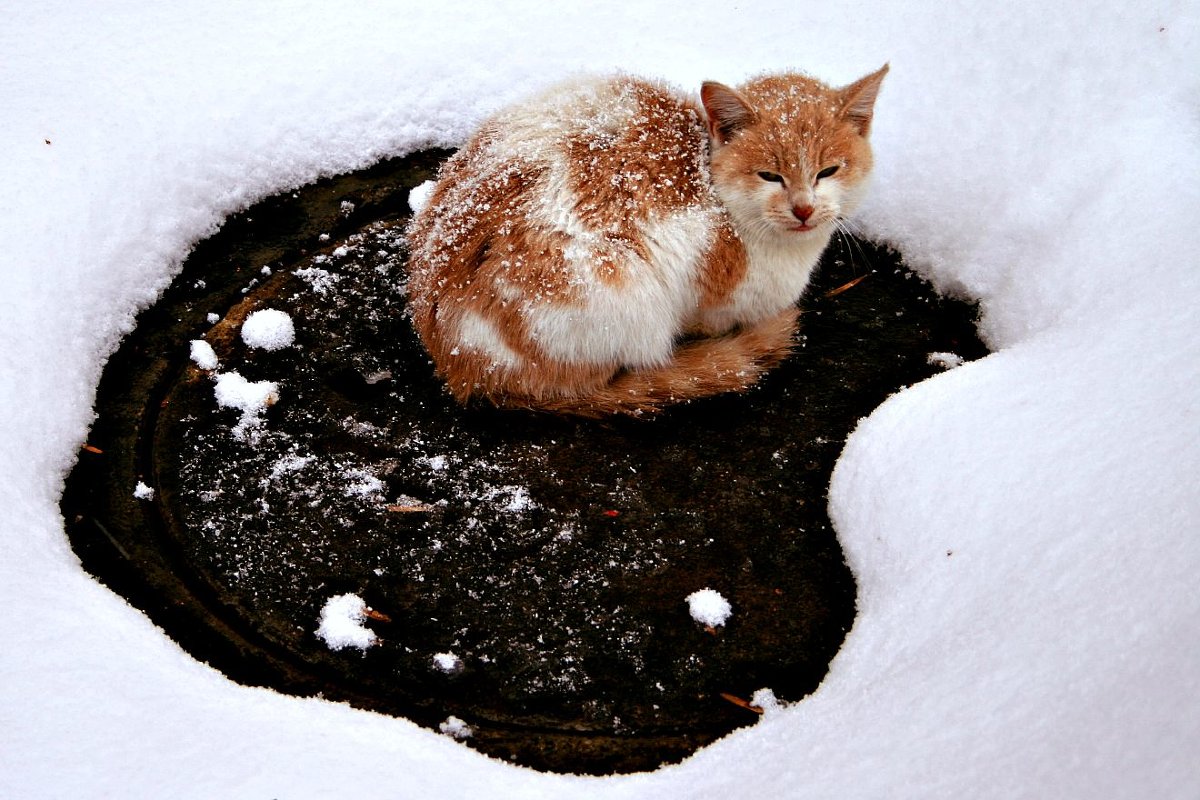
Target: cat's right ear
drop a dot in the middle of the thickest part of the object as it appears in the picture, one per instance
(728, 112)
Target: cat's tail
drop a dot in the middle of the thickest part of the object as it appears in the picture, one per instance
(698, 368)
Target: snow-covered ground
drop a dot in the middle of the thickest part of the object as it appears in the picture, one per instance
(1025, 529)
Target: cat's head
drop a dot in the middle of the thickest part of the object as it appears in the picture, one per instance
(789, 154)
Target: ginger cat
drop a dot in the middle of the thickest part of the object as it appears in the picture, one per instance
(613, 246)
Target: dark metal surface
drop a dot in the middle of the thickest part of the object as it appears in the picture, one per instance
(552, 557)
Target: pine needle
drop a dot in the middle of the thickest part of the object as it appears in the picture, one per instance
(846, 286)
(737, 701)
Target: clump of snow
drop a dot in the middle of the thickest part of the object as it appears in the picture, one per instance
(456, 728)
(143, 492)
(418, 196)
(945, 360)
(360, 483)
(269, 329)
(213, 318)
(251, 398)
(708, 607)
(320, 280)
(203, 356)
(341, 623)
(766, 700)
(447, 662)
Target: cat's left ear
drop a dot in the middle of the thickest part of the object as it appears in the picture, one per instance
(858, 100)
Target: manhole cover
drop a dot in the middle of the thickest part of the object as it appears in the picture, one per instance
(529, 572)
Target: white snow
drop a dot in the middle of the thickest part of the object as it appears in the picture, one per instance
(320, 280)
(1023, 529)
(288, 464)
(455, 728)
(766, 700)
(418, 196)
(269, 329)
(510, 499)
(709, 607)
(252, 398)
(143, 492)
(447, 662)
(945, 360)
(203, 356)
(341, 623)
(360, 483)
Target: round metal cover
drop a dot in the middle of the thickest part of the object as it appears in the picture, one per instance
(527, 574)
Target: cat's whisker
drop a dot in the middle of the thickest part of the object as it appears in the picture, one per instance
(852, 243)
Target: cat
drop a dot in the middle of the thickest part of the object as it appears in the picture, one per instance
(611, 246)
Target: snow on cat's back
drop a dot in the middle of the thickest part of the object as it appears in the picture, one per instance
(575, 239)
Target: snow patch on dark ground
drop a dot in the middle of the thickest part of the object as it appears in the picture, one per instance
(1022, 528)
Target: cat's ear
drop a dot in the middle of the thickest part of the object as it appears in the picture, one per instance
(858, 100)
(728, 112)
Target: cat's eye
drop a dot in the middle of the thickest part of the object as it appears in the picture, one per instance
(827, 172)
(773, 177)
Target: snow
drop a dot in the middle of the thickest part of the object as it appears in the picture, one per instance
(252, 398)
(143, 492)
(945, 360)
(203, 356)
(269, 329)
(342, 623)
(455, 728)
(418, 196)
(509, 499)
(766, 700)
(320, 280)
(447, 662)
(1023, 528)
(708, 607)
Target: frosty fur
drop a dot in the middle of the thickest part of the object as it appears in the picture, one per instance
(613, 246)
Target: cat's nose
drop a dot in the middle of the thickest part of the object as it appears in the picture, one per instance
(802, 213)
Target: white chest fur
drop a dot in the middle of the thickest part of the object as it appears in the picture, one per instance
(779, 270)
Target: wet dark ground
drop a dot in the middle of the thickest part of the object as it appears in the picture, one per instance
(551, 557)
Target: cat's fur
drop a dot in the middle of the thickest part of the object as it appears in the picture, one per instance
(613, 246)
